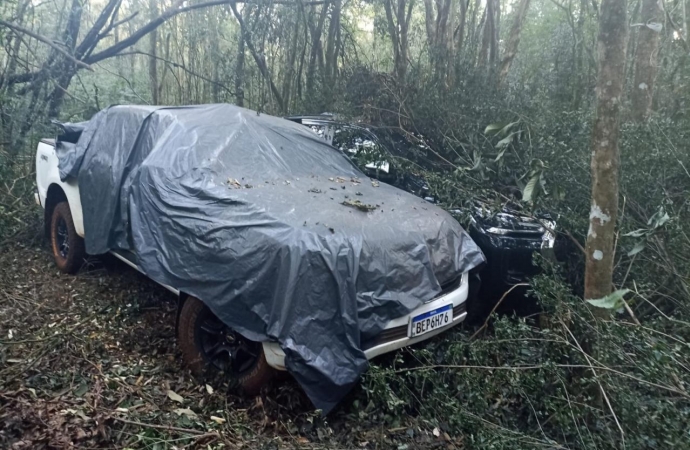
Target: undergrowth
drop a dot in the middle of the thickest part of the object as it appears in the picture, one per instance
(532, 385)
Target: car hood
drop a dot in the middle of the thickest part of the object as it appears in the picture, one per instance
(405, 249)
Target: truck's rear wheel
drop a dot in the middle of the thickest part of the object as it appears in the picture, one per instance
(67, 245)
(208, 345)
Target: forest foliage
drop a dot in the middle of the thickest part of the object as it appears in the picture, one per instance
(499, 98)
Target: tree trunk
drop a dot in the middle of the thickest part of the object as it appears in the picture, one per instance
(316, 48)
(646, 61)
(487, 34)
(460, 31)
(332, 50)
(600, 249)
(153, 56)
(493, 58)
(259, 59)
(239, 64)
(513, 40)
(398, 21)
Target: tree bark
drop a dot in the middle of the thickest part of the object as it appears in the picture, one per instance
(398, 21)
(493, 57)
(646, 61)
(487, 34)
(239, 64)
(440, 27)
(316, 48)
(153, 60)
(513, 40)
(332, 44)
(258, 59)
(613, 33)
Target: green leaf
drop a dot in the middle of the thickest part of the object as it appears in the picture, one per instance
(506, 140)
(637, 248)
(528, 192)
(637, 233)
(612, 301)
(507, 128)
(492, 127)
(501, 153)
(174, 396)
(659, 218)
(82, 389)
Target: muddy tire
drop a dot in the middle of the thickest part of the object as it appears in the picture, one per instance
(66, 244)
(209, 347)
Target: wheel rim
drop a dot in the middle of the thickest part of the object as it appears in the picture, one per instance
(62, 238)
(225, 349)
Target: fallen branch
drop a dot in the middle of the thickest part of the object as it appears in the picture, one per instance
(197, 433)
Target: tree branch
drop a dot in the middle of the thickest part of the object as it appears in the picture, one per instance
(112, 26)
(179, 66)
(91, 38)
(158, 21)
(46, 41)
(260, 62)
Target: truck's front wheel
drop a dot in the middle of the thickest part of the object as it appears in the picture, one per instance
(207, 344)
(67, 245)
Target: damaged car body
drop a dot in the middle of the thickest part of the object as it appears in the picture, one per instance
(507, 237)
(284, 253)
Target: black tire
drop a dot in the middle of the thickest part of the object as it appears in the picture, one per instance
(67, 245)
(251, 372)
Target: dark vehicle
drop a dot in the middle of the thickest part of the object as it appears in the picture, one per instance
(507, 238)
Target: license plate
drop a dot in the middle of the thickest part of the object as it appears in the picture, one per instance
(431, 320)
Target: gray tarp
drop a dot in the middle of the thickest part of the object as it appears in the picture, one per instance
(245, 211)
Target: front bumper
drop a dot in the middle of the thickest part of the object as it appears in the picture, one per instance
(395, 334)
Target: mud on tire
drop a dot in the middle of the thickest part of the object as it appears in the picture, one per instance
(66, 244)
(207, 346)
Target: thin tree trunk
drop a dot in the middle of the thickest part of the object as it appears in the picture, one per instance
(493, 57)
(460, 33)
(258, 59)
(600, 249)
(316, 48)
(646, 61)
(239, 64)
(513, 40)
(398, 21)
(332, 44)
(290, 64)
(487, 34)
(153, 60)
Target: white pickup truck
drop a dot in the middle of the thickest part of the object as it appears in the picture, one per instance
(205, 342)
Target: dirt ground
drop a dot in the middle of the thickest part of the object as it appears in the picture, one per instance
(90, 361)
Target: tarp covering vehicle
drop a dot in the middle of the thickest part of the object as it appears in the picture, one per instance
(276, 231)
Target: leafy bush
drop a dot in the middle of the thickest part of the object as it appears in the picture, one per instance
(528, 387)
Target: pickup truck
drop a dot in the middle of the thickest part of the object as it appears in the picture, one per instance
(206, 341)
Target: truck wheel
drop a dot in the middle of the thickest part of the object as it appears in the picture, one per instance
(67, 245)
(208, 345)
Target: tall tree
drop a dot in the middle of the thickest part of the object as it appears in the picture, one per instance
(259, 58)
(153, 57)
(488, 27)
(316, 53)
(440, 19)
(398, 15)
(513, 40)
(646, 59)
(332, 44)
(613, 33)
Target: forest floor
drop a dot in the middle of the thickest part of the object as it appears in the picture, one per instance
(90, 361)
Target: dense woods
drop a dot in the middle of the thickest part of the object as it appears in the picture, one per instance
(576, 108)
